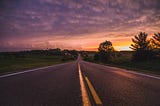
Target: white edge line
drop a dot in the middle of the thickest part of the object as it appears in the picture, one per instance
(22, 72)
(142, 74)
(137, 73)
(133, 72)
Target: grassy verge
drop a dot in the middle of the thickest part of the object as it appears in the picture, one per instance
(152, 66)
(125, 62)
(19, 64)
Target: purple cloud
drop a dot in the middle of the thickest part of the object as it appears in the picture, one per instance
(27, 19)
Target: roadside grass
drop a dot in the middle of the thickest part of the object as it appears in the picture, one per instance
(125, 61)
(19, 64)
(152, 66)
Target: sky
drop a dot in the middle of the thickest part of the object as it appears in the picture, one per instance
(75, 24)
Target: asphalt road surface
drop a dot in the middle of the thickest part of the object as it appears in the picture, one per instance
(116, 87)
(60, 86)
(54, 86)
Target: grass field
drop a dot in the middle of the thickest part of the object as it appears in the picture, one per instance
(125, 61)
(19, 64)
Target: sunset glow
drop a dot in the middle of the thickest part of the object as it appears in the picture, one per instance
(75, 24)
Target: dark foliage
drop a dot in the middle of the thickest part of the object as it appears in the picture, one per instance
(105, 52)
(156, 41)
(96, 56)
(66, 54)
(69, 55)
(142, 55)
(141, 47)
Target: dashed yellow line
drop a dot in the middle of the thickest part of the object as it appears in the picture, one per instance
(93, 92)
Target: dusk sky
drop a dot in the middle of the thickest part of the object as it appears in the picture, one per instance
(75, 24)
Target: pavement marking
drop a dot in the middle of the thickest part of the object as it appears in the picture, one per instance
(85, 97)
(137, 73)
(144, 75)
(93, 92)
(22, 72)
(7, 75)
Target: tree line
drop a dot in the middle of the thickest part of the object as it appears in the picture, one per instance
(144, 48)
(65, 54)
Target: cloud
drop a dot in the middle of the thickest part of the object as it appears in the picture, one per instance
(67, 18)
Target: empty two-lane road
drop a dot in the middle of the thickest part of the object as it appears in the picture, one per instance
(60, 86)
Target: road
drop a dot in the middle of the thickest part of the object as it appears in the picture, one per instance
(59, 85)
(53, 86)
(116, 87)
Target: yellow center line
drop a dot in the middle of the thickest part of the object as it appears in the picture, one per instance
(85, 97)
(93, 92)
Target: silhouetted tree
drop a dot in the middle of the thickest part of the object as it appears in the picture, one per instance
(56, 51)
(140, 42)
(96, 56)
(105, 51)
(106, 47)
(141, 47)
(155, 42)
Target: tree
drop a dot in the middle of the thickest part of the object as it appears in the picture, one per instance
(106, 47)
(105, 51)
(140, 42)
(96, 56)
(141, 46)
(156, 41)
